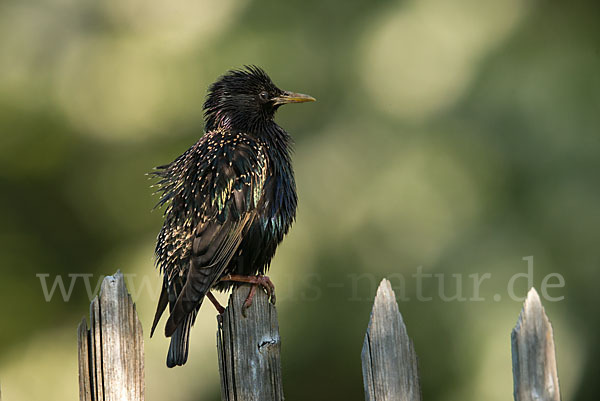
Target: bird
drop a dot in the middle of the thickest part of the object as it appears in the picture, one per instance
(228, 200)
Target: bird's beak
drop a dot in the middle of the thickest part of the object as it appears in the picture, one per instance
(291, 97)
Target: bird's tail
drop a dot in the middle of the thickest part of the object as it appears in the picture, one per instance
(180, 340)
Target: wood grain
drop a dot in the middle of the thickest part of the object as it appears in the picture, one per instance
(111, 351)
(389, 362)
(535, 376)
(249, 349)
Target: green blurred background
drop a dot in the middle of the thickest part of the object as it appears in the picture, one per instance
(459, 136)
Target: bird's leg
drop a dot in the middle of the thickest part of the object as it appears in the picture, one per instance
(259, 280)
(216, 303)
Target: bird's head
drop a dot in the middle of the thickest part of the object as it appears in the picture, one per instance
(246, 100)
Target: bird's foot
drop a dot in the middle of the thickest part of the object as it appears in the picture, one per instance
(259, 280)
(216, 303)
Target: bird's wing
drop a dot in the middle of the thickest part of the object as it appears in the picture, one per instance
(226, 196)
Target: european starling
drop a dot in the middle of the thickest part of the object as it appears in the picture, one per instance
(230, 199)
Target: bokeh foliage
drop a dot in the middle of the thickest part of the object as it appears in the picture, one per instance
(458, 136)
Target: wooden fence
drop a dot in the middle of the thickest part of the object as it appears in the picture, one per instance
(111, 354)
(111, 351)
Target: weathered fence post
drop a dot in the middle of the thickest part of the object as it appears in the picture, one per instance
(533, 359)
(111, 351)
(389, 362)
(249, 349)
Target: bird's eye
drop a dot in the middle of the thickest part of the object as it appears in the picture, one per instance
(264, 96)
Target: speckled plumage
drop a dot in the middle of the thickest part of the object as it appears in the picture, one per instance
(230, 199)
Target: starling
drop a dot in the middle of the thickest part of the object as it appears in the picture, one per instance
(230, 200)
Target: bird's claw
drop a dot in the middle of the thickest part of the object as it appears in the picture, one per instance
(259, 280)
(266, 283)
(248, 301)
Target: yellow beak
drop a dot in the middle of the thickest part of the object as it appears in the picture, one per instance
(291, 97)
